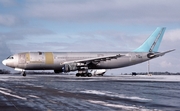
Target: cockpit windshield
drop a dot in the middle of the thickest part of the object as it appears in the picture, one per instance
(10, 57)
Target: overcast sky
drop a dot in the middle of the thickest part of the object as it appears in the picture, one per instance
(90, 25)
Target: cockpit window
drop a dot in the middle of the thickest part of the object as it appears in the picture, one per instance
(40, 53)
(10, 57)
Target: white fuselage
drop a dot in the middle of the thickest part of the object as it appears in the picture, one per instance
(56, 60)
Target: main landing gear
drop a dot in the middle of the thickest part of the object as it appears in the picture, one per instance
(83, 73)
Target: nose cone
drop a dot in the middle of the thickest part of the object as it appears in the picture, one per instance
(4, 62)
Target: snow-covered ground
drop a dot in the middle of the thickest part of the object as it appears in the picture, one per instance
(107, 93)
(163, 78)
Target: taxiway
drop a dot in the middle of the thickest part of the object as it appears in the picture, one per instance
(67, 92)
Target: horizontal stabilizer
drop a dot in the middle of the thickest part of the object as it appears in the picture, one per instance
(163, 53)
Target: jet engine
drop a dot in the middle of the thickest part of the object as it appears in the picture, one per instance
(99, 72)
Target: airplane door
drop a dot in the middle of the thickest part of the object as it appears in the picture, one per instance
(22, 59)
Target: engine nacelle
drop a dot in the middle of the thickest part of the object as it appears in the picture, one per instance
(69, 67)
(99, 72)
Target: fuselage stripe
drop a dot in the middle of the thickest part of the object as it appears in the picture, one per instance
(49, 58)
(27, 57)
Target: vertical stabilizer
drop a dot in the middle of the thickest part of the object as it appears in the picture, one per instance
(153, 42)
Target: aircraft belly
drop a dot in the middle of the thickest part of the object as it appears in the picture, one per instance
(42, 66)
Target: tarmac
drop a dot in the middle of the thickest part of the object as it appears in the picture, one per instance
(67, 92)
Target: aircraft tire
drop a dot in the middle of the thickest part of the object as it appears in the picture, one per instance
(85, 74)
(77, 74)
(89, 74)
(81, 74)
(56, 71)
(24, 74)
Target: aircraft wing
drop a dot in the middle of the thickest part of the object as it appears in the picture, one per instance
(95, 59)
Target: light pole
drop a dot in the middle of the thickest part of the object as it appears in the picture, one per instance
(148, 68)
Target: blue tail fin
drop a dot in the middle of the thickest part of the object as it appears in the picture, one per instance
(153, 42)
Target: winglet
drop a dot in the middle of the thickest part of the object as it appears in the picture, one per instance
(153, 42)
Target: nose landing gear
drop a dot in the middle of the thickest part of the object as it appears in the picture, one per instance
(23, 73)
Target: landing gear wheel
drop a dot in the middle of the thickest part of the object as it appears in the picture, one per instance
(89, 74)
(23, 73)
(85, 74)
(56, 71)
(82, 75)
(77, 74)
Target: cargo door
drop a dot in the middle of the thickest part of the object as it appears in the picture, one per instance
(22, 58)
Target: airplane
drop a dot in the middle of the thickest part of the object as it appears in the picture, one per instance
(82, 62)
